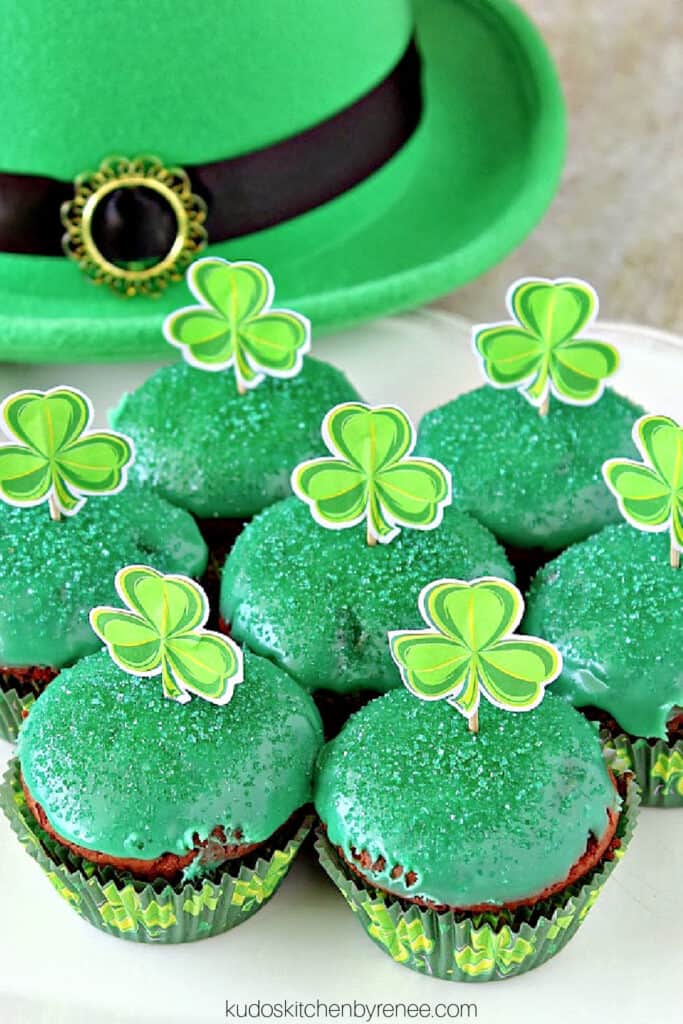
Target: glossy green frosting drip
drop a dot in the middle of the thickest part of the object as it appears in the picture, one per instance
(320, 602)
(53, 573)
(489, 818)
(121, 769)
(614, 607)
(218, 453)
(535, 481)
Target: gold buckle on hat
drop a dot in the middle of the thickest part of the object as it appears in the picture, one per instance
(143, 172)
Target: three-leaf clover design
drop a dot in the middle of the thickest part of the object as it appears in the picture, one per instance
(371, 475)
(650, 494)
(234, 324)
(470, 648)
(53, 457)
(161, 633)
(540, 350)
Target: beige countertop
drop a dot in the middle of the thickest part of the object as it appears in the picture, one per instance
(618, 218)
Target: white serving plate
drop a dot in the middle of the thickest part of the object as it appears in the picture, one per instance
(624, 963)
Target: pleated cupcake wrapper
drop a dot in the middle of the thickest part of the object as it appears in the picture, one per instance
(155, 912)
(656, 764)
(12, 709)
(478, 947)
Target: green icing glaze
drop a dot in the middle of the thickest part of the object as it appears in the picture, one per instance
(218, 453)
(119, 768)
(614, 607)
(53, 573)
(535, 481)
(320, 602)
(491, 817)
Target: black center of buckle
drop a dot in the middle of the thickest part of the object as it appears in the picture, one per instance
(134, 225)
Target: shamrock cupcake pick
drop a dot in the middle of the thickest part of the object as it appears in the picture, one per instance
(161, 633)
(542, 349)
(447, 841)
(52, 456)
(172, 812)
(220, 432)
(536, 481)
(52, 573)
(371, 477)
(650, 493)
(234, 325)
(471, 649)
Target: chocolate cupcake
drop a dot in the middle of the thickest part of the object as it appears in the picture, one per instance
(534, 481)
(613, 606)
(219, 434)
(319, 602)
(201, 807)
(58, 549)
(470, 830)
(526, 451)
(470, 857)
(316, 588)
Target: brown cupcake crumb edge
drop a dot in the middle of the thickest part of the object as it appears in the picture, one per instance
(215, 851)
(597, 851)
(28, 681)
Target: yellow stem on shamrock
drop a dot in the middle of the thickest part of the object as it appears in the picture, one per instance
(674, 557)
(55, 514)
(545, 405)
(474, 722)
(370, 537)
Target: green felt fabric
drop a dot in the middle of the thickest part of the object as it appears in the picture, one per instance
(465, 190)
(194, 82)
(121, 769)
(488, 818)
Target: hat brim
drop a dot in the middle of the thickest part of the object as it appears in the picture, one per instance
(465, 191)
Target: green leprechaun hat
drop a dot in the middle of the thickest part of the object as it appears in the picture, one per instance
(372, 155)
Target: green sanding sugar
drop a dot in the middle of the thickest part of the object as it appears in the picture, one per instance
(53, 573)
(492, 817)
(535, 481)
(320, 602)
(119, 768)
(218, 453)
(614, 607)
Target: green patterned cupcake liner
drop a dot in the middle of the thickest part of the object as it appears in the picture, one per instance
(656, 764)
(153, 912)
(13, 710)
(477, 947)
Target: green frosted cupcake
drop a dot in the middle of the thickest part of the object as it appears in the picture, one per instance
(199, 813)
(51, 575)
(526, 452)
(220, 434)
(469, 856)
(319, 602)
(534, 481)
(612, 605)
(222, 454)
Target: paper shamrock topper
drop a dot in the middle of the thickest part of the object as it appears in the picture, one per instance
(235, 326)
(161, 633)
(53, 457)
(650, 493)
(470, 649)
(371, 476)
(541, 349)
